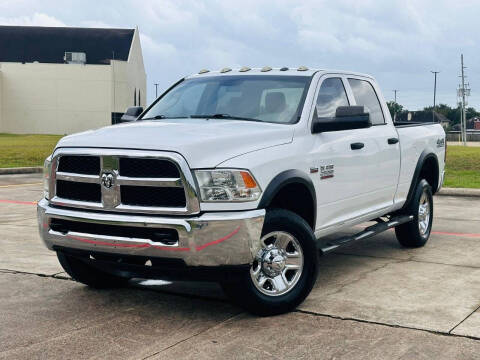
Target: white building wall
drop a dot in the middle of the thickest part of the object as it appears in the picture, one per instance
(54, 98)
(130, 78)
(1, 98)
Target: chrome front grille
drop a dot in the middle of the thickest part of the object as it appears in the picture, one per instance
(123, 180)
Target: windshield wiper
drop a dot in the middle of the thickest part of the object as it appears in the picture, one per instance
(222, 116)
(158, 117)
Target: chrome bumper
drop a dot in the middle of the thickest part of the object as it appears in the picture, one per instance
(211, 239)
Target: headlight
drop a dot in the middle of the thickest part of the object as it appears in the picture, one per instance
(47, 168)
(227, 185)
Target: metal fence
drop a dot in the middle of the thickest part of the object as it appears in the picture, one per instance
(456, 136)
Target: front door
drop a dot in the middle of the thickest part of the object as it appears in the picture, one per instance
(350, 182)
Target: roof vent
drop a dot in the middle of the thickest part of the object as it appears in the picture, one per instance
(266, 68)
(284, 68)
(75, 57)
(203, 71)
(302, 68)
(244, 68)
(224, 70)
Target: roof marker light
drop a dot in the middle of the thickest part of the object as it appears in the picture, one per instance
(224, 70)
(266, 68)
(203, 71)
(284, 68)
(302, 68)
(244, 68)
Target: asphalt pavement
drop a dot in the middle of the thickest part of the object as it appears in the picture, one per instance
(372, 300)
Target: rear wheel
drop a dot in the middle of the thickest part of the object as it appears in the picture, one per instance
(416, 233)
(83, 272)
(284, 270)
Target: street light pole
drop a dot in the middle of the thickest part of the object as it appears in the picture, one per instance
(434, 94)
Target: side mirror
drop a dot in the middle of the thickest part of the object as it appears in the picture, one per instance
(131, 114)
(346, 118)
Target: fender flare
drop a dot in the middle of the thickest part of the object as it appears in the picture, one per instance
(424, 156)
(283, 179)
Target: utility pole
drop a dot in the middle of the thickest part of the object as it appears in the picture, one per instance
(434, 94)
(462, 93)
(395, 97)
(156, 90)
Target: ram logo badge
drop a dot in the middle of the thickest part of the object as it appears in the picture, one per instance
(326, 172)
(108, 180)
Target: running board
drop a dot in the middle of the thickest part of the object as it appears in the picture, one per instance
(370, 231)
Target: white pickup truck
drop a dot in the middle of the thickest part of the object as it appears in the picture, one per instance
(237, 176)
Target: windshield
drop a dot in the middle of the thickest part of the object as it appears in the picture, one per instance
(269, 98)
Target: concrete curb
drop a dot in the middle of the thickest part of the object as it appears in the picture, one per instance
(21, 170)
(459, 192)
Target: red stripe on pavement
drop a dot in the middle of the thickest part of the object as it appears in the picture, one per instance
(218, 241)
(455, 234)
(18, 202)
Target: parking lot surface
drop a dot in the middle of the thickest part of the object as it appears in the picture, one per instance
(372, 300)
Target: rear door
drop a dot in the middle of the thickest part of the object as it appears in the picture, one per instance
(381, 158)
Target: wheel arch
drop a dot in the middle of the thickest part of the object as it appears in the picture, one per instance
(427, 168)
(279, 194)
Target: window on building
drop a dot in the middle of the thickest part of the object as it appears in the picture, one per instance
(330, 96)
(365, 95)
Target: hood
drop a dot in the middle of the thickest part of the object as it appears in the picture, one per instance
(203, 143)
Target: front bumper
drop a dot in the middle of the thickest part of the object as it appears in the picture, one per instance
(211, 239)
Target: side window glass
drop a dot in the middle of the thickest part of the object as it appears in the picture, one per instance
(330, 96)
(365, 95)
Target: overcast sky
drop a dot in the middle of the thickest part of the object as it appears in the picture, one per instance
(398, 42)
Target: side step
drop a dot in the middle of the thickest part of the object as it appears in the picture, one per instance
(370, 231)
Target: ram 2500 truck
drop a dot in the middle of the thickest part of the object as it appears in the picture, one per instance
(237, 176)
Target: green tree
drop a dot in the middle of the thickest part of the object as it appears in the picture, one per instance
(394, 108)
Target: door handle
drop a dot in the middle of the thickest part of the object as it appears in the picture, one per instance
(357, 146)
(392, 141)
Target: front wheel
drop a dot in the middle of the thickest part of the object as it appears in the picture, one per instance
(416, 232)
(284, 270)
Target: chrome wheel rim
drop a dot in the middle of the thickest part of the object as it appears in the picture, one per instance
(423, 214)
(278, 265)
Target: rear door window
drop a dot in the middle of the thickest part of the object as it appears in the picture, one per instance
(365, 95)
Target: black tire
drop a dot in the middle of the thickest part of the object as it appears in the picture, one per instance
(82, 272)
(409, 234)
(245, 294)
